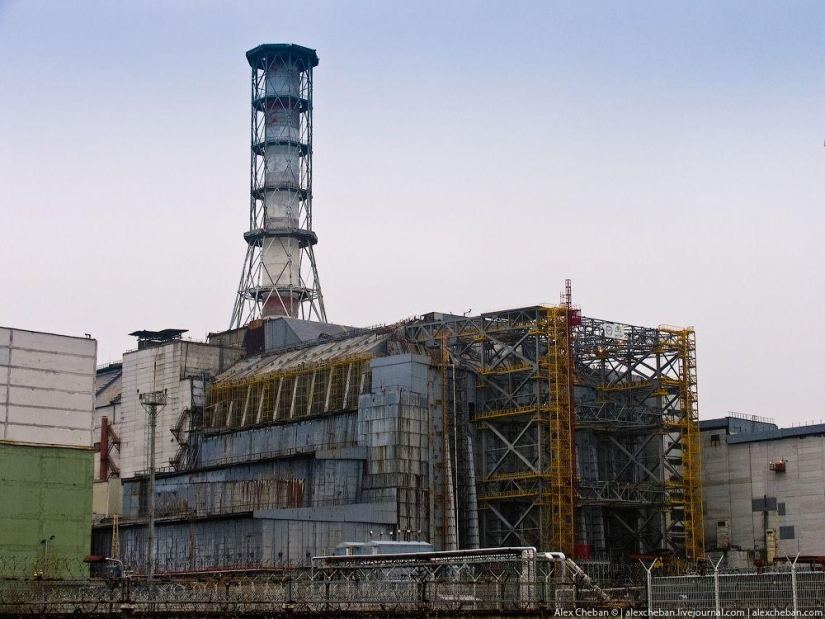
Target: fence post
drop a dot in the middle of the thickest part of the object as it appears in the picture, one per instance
(793, 585)
(649, 571)
(717, 594)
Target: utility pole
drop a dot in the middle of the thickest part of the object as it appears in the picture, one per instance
(152, 402)
(46, 552)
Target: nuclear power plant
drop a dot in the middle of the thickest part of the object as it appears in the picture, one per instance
(287, 435)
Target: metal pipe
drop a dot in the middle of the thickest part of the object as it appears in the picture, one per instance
(103, 451)
(585, 578)
(472, 497)
(437, 556)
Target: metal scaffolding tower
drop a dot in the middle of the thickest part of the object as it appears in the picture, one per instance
(685, 422)
(639, 482)
(525, 417)
(279, 276)
(558, 323)
(522, 419)
(586, 431)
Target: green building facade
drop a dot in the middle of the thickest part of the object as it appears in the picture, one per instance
(45, 510)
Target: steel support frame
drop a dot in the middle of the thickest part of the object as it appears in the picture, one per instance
(636, 397)
(684, 420)
(253, 292)
(523, 420)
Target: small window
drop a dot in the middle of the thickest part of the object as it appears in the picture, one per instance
(767, 504)
(786, 533)
(715, 440)
(780, 509)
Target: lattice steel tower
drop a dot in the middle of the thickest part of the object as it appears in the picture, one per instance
(279, 275)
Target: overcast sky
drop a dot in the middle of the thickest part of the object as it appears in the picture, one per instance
(665, 156)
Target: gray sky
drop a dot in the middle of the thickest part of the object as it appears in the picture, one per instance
(665, 156)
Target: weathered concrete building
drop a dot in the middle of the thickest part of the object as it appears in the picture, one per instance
(764, 488)
(532, 426)
(108, 494)
(46, 455)
(164, 362)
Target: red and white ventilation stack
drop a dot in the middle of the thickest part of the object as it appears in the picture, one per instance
(279, 276)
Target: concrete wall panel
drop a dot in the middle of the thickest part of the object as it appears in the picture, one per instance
(23, 415)
(165, 367)
(36, 397)
(45, 360)
(46, 379)
(49, 342)
(39, 435)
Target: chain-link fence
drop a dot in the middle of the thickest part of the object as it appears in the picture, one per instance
(788, 589)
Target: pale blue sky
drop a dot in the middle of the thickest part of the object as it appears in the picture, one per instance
(666, 156)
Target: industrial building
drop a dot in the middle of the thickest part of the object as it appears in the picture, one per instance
(533, 426)
(107, 493)
(763, 489)
(286, 436)
(46, 455)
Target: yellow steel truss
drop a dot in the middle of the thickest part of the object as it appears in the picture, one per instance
(556, 321)
(687, 425)
(551, 486)
(292, 394)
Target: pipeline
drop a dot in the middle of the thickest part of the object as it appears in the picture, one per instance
(567, 563)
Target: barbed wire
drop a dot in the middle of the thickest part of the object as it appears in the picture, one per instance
(27, 567)
(265, 593)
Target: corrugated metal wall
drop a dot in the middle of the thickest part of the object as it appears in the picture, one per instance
(312, 484)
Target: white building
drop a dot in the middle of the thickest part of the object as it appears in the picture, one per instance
(46, 420)
(164, 362)
(763, 488)
(46, 388)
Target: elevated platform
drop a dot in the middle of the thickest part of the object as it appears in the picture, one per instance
(304, 237)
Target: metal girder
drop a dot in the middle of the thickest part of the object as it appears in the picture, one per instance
(644, 537)
(510, 448)
(617, 418)
(633, 458)
(512, 528)
(621, 494)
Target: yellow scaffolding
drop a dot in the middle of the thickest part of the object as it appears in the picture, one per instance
(556, 321)
(549, 403)
(687, 425)
(296, 393)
